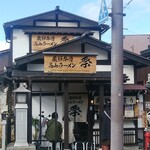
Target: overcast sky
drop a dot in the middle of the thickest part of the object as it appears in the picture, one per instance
(136, 21)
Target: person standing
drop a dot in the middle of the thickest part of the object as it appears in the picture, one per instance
(54, 130)
(106, 126)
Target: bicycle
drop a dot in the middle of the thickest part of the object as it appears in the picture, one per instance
(41, 127)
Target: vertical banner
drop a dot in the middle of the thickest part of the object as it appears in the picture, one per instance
(78, 104)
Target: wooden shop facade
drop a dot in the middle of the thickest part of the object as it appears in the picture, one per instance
(63, 62)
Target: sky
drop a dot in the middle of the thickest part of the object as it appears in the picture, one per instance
(136, 21)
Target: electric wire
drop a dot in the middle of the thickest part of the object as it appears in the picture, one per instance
(77, 4)
(72, 5)
(127, 4)
(64, 3)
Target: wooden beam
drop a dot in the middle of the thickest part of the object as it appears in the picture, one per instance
(66, 121)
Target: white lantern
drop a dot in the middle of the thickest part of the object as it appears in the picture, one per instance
(21, 94)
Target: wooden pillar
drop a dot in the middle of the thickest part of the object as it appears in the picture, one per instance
(83, 48)
(66, 122)
(29, 102)
(90, 113)
(90, 120)
(101, 108)
(11, 102)
(30, 43)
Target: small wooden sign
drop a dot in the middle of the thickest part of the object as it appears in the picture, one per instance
(144, 119)
(136, 110)
(69, 63)
(43, 41)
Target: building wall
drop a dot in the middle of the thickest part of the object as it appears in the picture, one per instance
(136, 43)
(20, 45)
(142, 75)
(78, 96)
(127, 69)
(5, 59)
(101, 54)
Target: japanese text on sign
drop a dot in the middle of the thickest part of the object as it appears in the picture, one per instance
(40, 42)
(128, 100)
(70, 64)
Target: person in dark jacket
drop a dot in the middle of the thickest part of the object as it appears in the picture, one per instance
(106, 126)
(54, 130)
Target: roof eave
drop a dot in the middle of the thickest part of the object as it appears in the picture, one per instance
(8, 26)
(140, 61)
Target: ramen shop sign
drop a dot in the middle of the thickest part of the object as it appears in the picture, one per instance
(40, 41)
(69, 63)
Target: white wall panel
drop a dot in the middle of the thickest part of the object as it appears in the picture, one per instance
(45, 87)
(102, 55)
(96, 34)
(35, 67)
(48, 106)
(67, 24)
(48, 24)
(77, 87)
(20, 43)
(127, 69)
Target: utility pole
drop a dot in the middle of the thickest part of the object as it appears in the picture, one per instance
(117, 76)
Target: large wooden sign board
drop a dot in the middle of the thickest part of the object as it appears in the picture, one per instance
(69, 63)
(43, 41)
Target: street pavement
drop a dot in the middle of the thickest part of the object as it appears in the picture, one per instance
(131, 148)
(125, 148)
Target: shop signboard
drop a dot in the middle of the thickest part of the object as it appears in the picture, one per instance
(69, 63)
(43, 41)
(131, 110)
(103, 14)
(129, 102)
